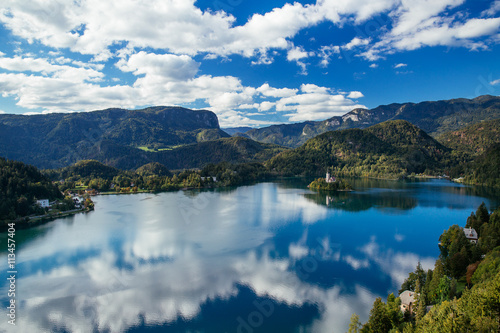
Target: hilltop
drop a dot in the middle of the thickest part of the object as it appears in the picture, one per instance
(84, 169)
(153, 169)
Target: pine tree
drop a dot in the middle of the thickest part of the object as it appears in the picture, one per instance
(443, 292)
(420, 303)
(428, 279)
(394, 310)
(482, 213)
(379, 320)
(437, 274)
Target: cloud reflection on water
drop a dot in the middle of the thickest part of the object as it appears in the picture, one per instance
(134, 262)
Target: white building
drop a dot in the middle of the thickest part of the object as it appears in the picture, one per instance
(471, 235)
(78, 201)
(329, 178)
(44, 203)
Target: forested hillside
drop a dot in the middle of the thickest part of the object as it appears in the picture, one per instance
(473, 139)
(234, 150)
(235, 130)
(485, 169)
(391, 149)
(20, 186)
(153, 169)
(128, 139)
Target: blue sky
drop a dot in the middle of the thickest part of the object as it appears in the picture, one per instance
(253, 63)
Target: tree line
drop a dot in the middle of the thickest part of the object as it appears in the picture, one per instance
(154, 177)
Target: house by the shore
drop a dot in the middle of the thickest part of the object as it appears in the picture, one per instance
(408, 300)
(44, 203)
(471, 235)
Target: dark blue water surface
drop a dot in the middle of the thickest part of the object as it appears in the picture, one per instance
(271, 257)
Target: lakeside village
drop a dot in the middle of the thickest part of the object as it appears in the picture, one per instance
(72, 203)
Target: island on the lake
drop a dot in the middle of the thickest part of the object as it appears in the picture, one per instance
(330, 183)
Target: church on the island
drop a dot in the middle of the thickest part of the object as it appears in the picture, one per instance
(329, 178)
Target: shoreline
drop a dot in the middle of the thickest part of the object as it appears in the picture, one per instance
(29, 222)
(34, 221)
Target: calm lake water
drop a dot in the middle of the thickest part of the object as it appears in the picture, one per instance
(270, 257)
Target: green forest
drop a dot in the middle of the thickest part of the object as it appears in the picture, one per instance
(180, 138)
(484, 169)
(473, 139)
(20, 186)
(461, 293)
(153, 177)
(394, 149)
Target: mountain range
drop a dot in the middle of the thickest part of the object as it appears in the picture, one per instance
(180, 138)
(56, 140)
(434, 118)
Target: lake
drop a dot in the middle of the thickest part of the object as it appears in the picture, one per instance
(269, 257)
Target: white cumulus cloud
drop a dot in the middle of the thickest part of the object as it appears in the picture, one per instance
(93, 26)
(355, 94)
(296, 53)
(44, 67)
(167, 66)
(315, 103)
(179, 27)
(355, 42)
(266, 106)
(269, 91)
